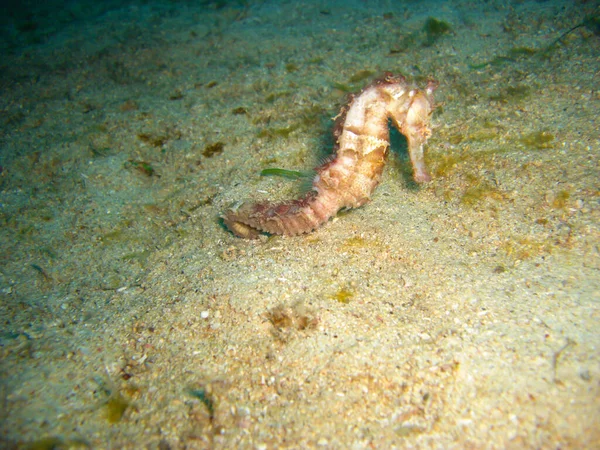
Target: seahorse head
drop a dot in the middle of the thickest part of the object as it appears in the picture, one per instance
(420, 106)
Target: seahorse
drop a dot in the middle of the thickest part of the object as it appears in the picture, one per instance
(351, 175)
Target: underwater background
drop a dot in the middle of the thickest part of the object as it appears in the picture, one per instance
(462, 313)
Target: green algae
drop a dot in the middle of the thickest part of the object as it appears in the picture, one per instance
(561, 199)
(512, 56)
(494, 62)
(342, 87)
(361, 75)
(143, 167)
(205, 398)
(240, 110)
(54, 443)
(274, 171)
(519, 51)
(116, 407)
(537, 140)
(279, 132)
(483, 135)
(445, 164)
(155, 140)
(591, 22)
(276, 96)
(434, 29)
(479, 191)
(523, 248)
(213, 149)
(456, 139)
(141, 256)
(358, 242)
(514, 93)
(355, 241)
(343, 295)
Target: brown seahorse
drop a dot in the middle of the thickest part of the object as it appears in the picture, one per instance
(350, 177)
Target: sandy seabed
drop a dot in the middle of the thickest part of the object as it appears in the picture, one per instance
(462, 314)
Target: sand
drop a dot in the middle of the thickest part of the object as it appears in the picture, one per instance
(460, 314)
